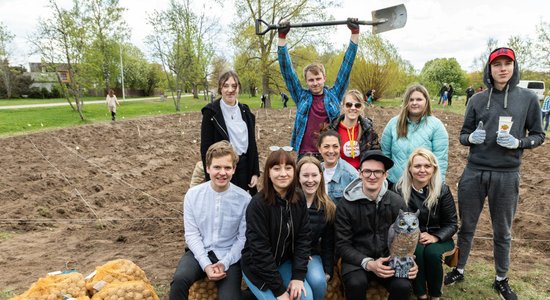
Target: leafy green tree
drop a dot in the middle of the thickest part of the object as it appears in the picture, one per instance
(62, 38)
(523, 49)
(5, 39)
(439, 71)
(183, 45)
(106, 27)
(378, 66)
(136, 68)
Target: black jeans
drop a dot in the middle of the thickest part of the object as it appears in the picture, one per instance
(356, 283)
(189, 271)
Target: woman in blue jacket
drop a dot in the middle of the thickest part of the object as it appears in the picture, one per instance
(414, 127)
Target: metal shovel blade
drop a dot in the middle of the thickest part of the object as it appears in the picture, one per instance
(389, 18)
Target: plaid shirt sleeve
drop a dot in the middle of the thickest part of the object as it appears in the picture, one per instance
(342, 80)
(289, 75)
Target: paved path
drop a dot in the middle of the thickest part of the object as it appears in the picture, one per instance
(67, 104)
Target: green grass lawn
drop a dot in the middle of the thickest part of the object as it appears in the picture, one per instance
(26, 120)
(9, 102)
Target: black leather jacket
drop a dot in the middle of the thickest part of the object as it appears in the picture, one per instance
(441, 221)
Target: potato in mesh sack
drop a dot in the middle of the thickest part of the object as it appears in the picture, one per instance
(55, 287)
(130, 290)
(120, 270)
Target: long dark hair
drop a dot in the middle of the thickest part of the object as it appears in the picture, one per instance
(276, 158)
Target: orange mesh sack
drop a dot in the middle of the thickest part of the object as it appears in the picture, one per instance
(130, 290)
(55, 287)
(120, 270)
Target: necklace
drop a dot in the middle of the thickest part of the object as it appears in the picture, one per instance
(420, 190)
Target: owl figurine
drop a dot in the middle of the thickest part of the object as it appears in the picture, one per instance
(402, 239)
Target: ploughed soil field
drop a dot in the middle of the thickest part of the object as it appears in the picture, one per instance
(79, 197)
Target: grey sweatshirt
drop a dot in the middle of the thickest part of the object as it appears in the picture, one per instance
(519, 103)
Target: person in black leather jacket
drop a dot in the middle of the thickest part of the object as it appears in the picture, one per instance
(321, 211)
(278, 244)
(422, 189)
(228, 119)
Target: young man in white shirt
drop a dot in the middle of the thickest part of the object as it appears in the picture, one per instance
(215, 225)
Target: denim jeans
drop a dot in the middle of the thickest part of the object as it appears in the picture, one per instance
(285, 270)
(316, 277)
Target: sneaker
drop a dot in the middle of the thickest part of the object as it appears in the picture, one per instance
(504, 290)
(453, 277)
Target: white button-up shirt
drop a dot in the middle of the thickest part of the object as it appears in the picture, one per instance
(215, 222)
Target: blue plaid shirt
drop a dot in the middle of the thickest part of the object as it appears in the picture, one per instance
(546, 105)
(303, 97)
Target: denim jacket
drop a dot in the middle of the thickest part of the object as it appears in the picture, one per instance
(343, 175)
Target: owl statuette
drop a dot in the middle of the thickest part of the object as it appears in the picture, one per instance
(402, 239)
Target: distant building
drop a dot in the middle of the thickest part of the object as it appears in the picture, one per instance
(45, 75)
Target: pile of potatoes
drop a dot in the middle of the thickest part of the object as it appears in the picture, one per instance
(120, 270)
(53, 287)
(119, 279)
(130, 290)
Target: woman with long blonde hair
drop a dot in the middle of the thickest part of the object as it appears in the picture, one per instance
(422, 189)
(321, 211)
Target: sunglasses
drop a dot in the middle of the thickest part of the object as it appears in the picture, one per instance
(277, 148)
(356, 104)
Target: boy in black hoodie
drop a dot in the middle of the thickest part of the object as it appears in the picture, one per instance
(494, 160)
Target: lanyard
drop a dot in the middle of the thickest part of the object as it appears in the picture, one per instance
(351, 138)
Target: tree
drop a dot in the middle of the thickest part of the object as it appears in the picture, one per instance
(62, 39)
(183, 45)
(261, 48)
(5, 39)
(543, 45)
(481, 60)
(439, 71)
(378, 66)
(523, 50)
(106, 29)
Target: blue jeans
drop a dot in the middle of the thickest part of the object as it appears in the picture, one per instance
(285, 270)
(546, 115)
(316, 277)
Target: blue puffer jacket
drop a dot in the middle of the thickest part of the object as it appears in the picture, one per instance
(429, 133)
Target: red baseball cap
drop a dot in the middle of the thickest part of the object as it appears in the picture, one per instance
(502, 52)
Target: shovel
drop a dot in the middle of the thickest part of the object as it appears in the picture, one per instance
(385, 19)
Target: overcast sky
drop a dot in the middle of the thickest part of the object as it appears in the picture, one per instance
(434, 29)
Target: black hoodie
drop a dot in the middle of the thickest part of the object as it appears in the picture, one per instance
(519, 103)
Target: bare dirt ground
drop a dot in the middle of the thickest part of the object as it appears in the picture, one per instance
(79, 197)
